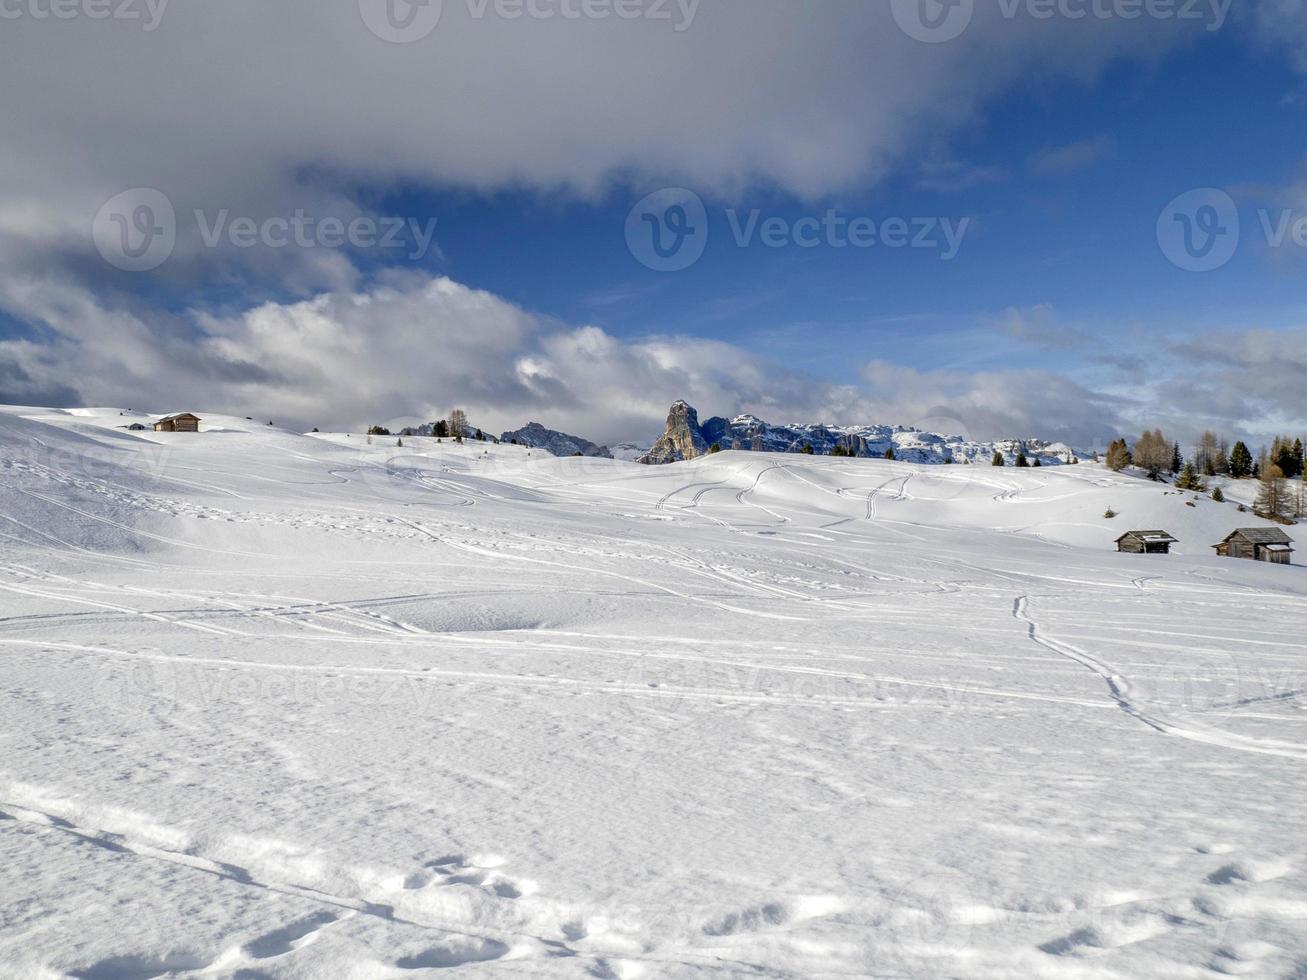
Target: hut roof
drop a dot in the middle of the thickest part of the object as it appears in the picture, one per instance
(1261, 535)
(1151, 537)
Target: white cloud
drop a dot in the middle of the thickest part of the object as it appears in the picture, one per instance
(265, 108)
(412, 347)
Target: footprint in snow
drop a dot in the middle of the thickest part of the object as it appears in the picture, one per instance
(454, 952)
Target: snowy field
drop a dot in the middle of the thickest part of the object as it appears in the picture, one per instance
(286, 706)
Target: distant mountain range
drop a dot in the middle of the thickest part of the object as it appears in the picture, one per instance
(557, 443)
(685, 438)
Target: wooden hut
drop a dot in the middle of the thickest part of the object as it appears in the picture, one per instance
(1145, 543)
(1268, 544)
(185, 422)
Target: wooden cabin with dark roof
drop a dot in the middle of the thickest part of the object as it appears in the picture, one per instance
(1145, 543)
(185, 422)
(1269, 544)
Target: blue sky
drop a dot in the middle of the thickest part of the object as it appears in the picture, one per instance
(1056, 145)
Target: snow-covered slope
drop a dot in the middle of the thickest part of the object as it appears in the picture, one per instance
(284, 706)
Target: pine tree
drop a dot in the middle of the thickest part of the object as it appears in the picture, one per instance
(1177, 460)
(1241, 461)
(1037, 462)
(889, 453)
(1022, 462)
(998, 459)
(1189, 479)
(1218, 495)
(808, 450)
(715, 448)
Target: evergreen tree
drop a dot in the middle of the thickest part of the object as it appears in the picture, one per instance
(1177, 460)
(808, 450)
(889, 453)
(1241, 461)
(1037, 462)
(998, 459)
(399, 443)
(715, 448)
(1218, 495)
(1288, 457)
(1189, 478)
(1022, 462)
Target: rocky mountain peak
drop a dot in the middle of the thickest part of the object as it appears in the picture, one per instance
(682, 437)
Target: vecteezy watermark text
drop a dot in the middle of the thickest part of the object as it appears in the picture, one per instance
(836, 230)
(938, 21)
(136, 231)
(148, 12)
(668, 231)
(407, 21)
(305, 231)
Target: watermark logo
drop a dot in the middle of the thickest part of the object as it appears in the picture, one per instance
(937, 21)
(136, 231)
(148, 13)
(933, 21)
(401, 21)
(667, 231)
(1199, 230)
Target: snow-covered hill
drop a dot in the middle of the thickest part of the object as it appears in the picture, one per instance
(279, 706)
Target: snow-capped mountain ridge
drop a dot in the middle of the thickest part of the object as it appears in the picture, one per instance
(685, 438)
(554, 442)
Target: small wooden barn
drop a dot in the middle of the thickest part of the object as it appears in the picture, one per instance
(1268, 544)
(185, 422)
(1145, 543)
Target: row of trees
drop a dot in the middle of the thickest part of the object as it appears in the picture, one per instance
(455, 427)
(1277, 467)
(1214, 456)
